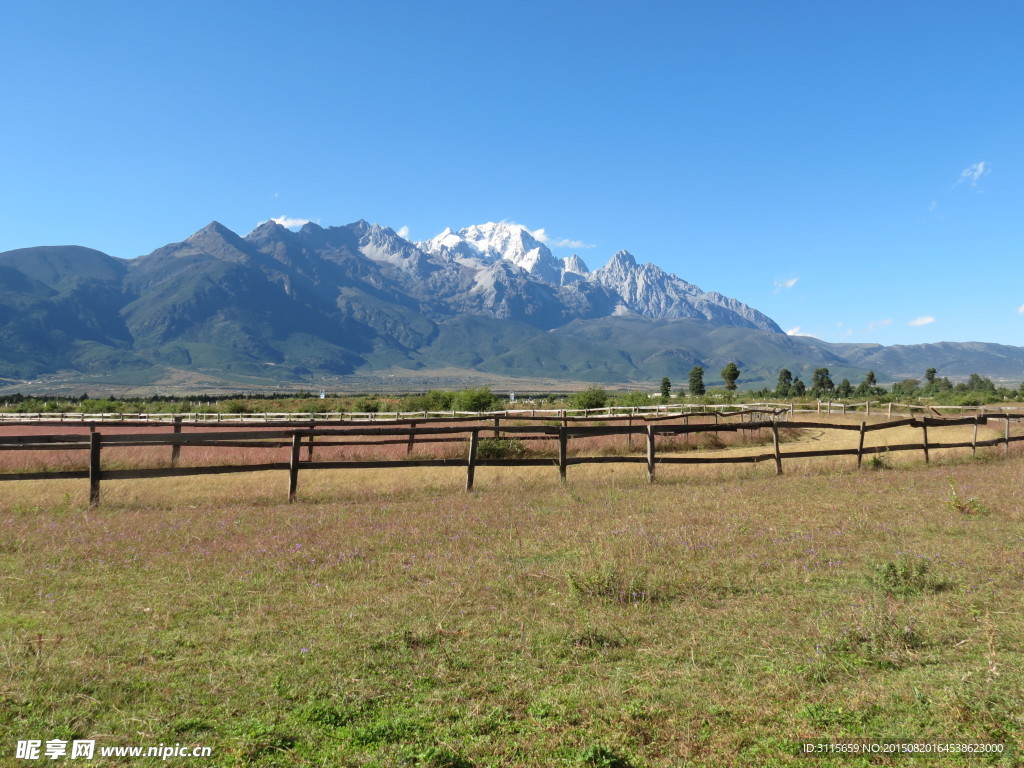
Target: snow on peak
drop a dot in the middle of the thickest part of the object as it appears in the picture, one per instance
(575, 265)
(484, 244)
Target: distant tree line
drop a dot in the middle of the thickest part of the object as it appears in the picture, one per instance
(976, 390)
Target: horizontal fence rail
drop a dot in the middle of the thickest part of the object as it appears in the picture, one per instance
(302, 435)
(675, 410)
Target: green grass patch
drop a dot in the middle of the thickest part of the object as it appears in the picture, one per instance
(699, 621)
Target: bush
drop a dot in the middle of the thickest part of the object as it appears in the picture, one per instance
(474, 400)
(633, 400)
(367, 405)
(434, 400)
(500, 448)
(593, 397)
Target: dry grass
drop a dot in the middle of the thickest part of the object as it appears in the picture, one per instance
(390, 619)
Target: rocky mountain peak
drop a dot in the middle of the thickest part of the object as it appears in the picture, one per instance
(217, 240)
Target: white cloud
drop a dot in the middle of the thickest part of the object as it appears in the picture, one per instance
(563, 242)
(879, 323)
(797, 332)
(288, 222)
(1020, 309)
(566, 243)
(923, 320)
(973, 173)
(403, 232)
(786, 284)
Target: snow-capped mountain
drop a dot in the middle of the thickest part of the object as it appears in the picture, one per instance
(650, 291)
(484, 244)
(628, 287)
(291, 306)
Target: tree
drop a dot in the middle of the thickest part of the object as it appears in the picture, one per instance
(869, 386)
(730, 375)
(929, 375)
(666, 387)
(697, 381)
(822, 383)
(782, 389)
(799, 388)
(906, 388)
(845, 389)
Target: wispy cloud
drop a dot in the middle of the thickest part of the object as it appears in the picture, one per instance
(562, 242)
(1020, 309)
(566, 243)
(785, 285)
(972, 174)
(288, 222)
(403, 232)
(923, 320)
(875, 324)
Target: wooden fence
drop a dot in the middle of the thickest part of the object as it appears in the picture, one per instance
(869, 408)
(303, 434)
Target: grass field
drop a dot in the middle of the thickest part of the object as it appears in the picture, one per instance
(717, 617)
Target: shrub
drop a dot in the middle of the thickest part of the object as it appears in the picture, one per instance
(593, 397)
(367, 405)
(434, 400)
(907, 576)
(633, 400)
(500, 448)
(474, 399)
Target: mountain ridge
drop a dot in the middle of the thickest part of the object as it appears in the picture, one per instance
(324, 303)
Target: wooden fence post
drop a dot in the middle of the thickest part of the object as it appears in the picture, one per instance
(293, 466)
(412, 437)
(309, 447)
(778, 448)
(974, 441)
(95, 445)
(650, 453)
(176, 448)
(1006, 445)
(924, 439)
(474, 439)
(889, 415)
(562, 451)
(497, 425)
(860, 444)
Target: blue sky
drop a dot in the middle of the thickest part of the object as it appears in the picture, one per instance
(853, 169)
